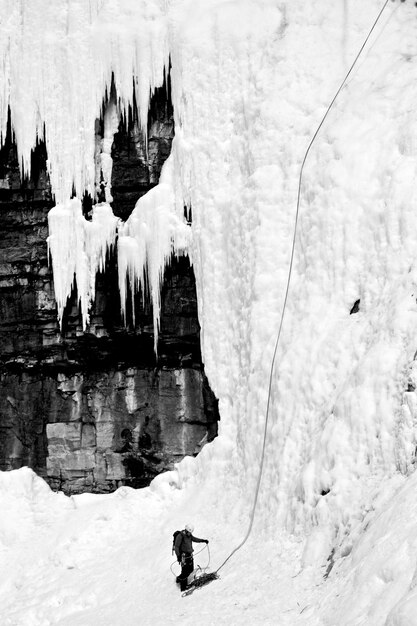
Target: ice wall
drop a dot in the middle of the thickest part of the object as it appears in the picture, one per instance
(250, 82)
(248, 95)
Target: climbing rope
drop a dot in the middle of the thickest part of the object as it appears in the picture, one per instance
(194, 555)
(201, 576)
(261, 466)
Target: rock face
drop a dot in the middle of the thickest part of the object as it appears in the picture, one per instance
(99, 430)
(92, 410)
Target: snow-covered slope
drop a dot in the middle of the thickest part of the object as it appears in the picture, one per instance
(250, 83)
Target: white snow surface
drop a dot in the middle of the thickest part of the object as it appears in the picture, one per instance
(251, 81)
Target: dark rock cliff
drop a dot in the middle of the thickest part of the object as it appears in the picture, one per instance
(92, 410)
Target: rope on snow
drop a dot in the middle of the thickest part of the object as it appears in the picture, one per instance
(194, 554)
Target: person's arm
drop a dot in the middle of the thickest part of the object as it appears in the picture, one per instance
(197, 540)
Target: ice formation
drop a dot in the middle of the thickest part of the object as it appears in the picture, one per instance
(104, 162)
(146, 242)
(78, 249)
(57, 63)
(58, 60)
(250, 82)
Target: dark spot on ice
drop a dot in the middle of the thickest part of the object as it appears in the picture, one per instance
(330, 561)
(87, 206)
(355, 307)
(324, 492)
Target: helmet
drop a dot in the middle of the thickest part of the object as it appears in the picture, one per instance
(189, 527)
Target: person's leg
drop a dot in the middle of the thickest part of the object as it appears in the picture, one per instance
(183, 576)
(186, 570)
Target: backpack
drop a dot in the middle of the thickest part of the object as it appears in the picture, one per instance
(177, 532)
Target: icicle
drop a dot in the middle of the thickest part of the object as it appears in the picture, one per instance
(50, 52)
(64, 248)
(101, 232)
(57, 61)
(131, 264)
(111, 125)
(153, 232)
(78, 250)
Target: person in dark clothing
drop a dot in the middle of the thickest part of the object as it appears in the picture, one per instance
(184, 551)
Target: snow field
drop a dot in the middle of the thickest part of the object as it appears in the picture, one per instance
(85, 559)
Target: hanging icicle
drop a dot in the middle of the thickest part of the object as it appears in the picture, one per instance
(151, 235)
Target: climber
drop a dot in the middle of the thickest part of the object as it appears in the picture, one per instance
(184, 550)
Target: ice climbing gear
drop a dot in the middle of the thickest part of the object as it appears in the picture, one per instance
(202, 577)
(174, 536)
(198, 582)
(194, 555)
(261, 466)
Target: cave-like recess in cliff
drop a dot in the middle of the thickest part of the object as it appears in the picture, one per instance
(92, 410)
